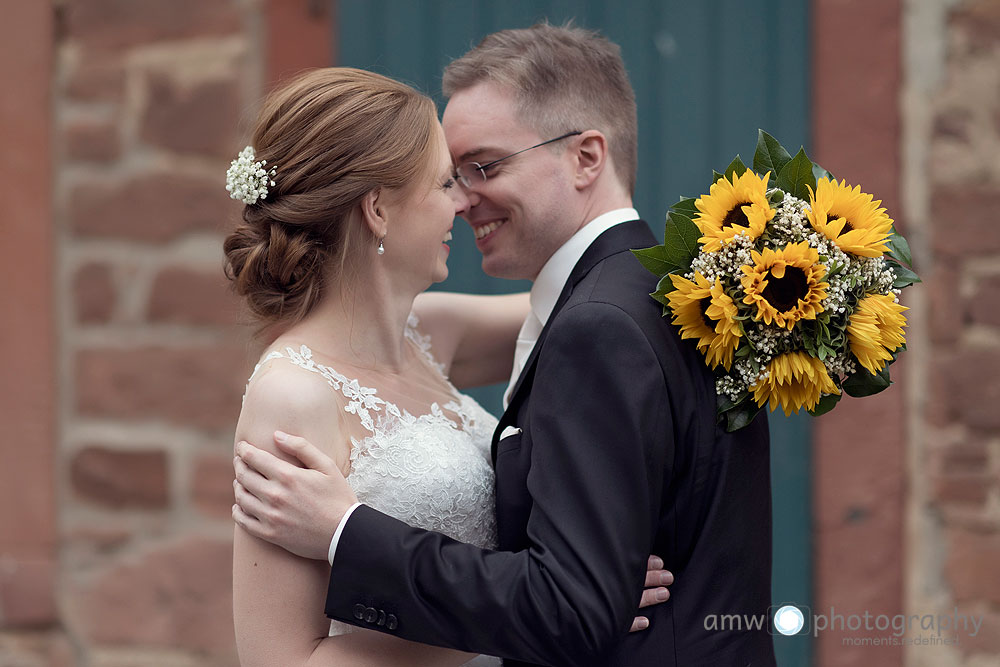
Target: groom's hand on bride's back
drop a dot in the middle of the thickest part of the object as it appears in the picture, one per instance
(299, 508)
(657, 580)
(296, 508)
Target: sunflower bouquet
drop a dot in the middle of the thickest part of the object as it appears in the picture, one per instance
(788, 281)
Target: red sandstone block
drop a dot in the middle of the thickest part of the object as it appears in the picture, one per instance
(201, 118)
(97, 80)
(108, 25)
(984, 307)
(197, 387)
(965, 457)
(980, 21)
(94, 294)
(964, 219)
(973, 381)
(987, 638)
(212, 486)
(184, 296)
(92, 141)
(945, 313)
(119, 478)
(178, 596)
(940, 408)
(27, 592)
(151, 206)
(971, 565)
(964, 488)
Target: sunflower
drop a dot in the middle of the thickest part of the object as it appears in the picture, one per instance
(705, 312)
(875, 330)
(794, 380)
(849, 218)
(785, 284)
(731, 207)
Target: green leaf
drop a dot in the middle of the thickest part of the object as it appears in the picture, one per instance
(863, 383)
(819, 172)
(796, 176)
(775, 197)
(716, 176)
(825, 404)
(904, 276)
(735, 167)
(770, 155)
(899, 249)
(680, 240)
(725, 404)
(654, 259)
(687, 206)
(666, 285)
(741, 416)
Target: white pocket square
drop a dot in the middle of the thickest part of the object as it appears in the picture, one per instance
(509, 431)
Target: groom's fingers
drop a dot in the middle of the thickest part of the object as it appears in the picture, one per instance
(249, 503)
(263, 462)
(247, 522)
(652, 596)
(639, 623)
(658, 578)
(304, 451)
(252, 481)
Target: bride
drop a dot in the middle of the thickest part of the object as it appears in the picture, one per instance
(350, 199)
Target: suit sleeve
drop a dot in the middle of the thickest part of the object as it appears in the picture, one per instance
(600, 433)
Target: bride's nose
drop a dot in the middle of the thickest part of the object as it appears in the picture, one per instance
(461, 199)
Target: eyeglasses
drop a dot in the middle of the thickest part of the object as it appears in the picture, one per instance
(473, 173)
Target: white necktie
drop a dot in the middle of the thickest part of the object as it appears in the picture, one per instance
(525, 342)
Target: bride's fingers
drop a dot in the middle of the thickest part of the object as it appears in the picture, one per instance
(652, 596)
(658, 578)
(639, 623)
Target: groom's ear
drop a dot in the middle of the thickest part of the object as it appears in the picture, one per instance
(590, 157)
(373, 213)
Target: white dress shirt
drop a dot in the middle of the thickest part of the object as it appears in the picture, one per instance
(544, 293)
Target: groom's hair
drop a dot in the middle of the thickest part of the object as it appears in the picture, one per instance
(564, 78)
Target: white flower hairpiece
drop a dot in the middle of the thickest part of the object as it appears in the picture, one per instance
(247, 179)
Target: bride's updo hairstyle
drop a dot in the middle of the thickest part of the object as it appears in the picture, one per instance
(332, 136)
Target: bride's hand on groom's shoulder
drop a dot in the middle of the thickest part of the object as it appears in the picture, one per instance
(657, 580)
(296, 508)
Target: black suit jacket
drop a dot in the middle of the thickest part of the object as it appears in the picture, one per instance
(619, 455)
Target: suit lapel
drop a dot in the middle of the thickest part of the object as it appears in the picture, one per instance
(628, 235)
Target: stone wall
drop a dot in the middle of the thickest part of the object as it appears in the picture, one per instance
(150, 100)
(951, 109)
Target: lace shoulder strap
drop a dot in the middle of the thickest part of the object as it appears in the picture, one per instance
(361, 401)
(423, 342)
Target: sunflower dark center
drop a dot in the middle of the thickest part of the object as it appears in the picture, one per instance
(784, 293)
(847, 222)
(736, 217)
(704, 304)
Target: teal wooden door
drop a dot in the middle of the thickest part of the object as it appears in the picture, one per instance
(706, 74)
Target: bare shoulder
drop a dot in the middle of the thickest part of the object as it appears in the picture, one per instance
(284, 396)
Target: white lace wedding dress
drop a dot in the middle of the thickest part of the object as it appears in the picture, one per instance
(431, 471)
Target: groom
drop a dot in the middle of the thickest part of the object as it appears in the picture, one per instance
(608, 449)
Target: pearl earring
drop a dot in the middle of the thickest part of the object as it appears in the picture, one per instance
(381, 247)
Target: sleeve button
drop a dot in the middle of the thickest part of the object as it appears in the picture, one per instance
(370, 615)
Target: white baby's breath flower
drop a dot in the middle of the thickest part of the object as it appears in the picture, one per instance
(247, 179)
